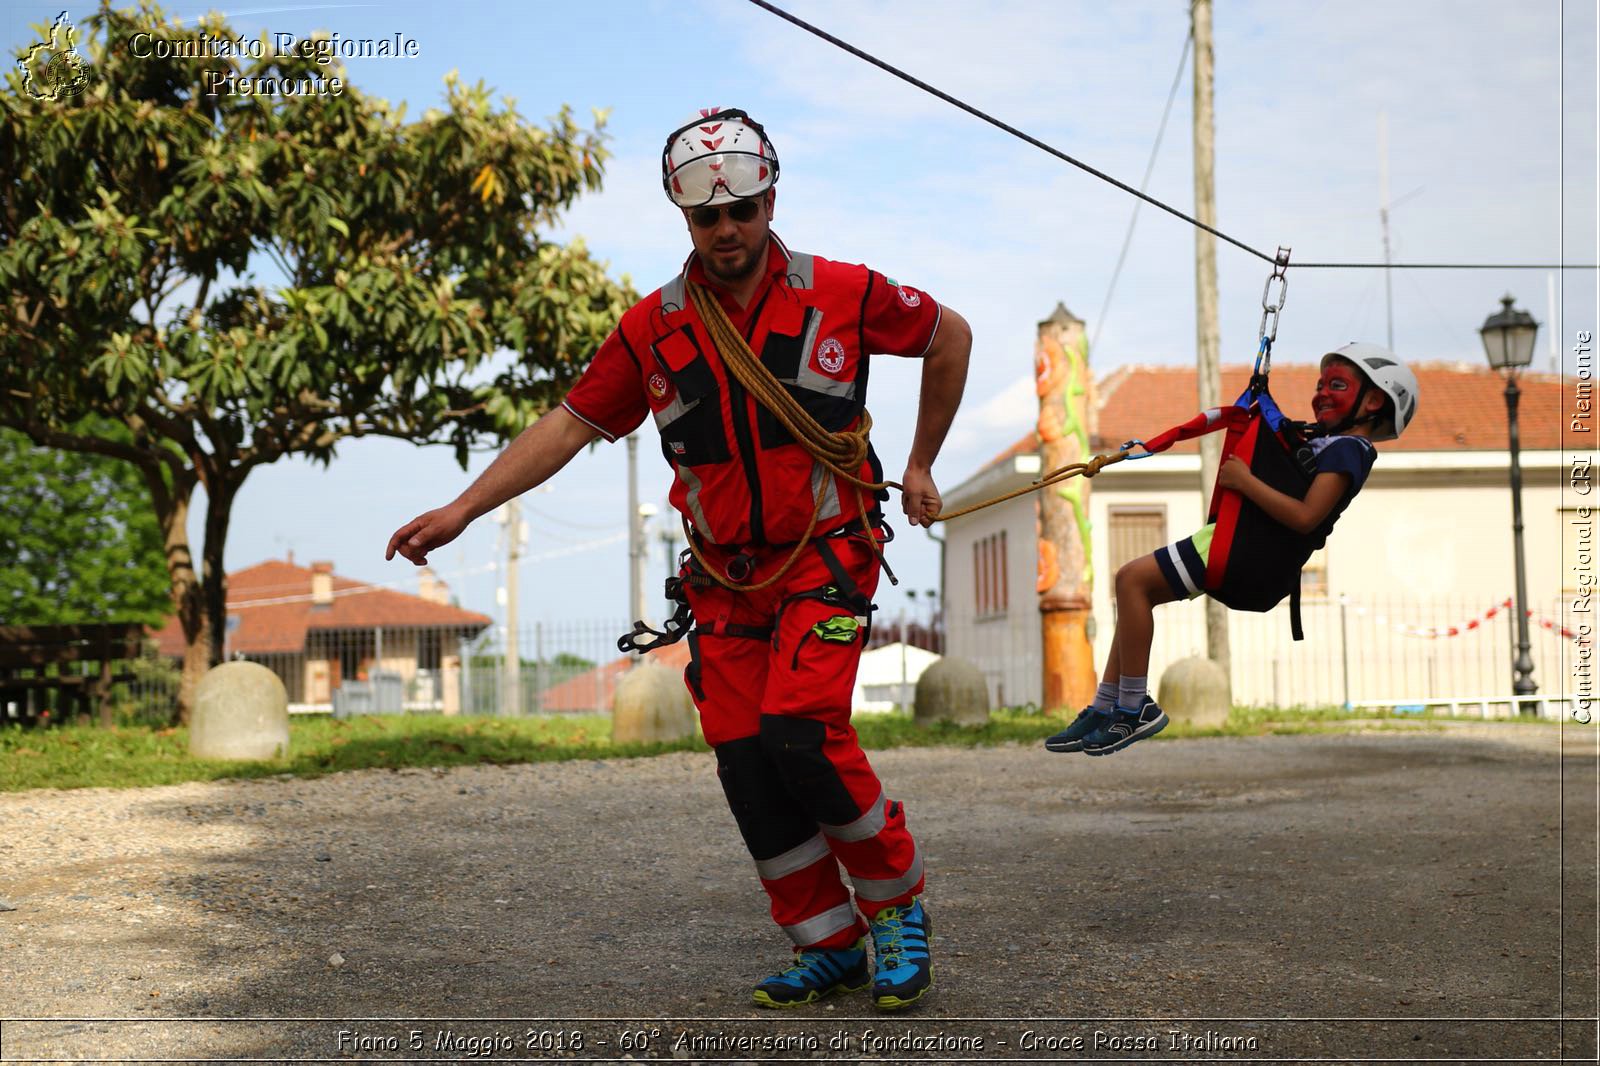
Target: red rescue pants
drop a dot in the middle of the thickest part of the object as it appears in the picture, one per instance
(772, 673)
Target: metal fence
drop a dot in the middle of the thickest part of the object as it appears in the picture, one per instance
(1395, 652)
(150, 694)
(1453, 653)
(565, 668)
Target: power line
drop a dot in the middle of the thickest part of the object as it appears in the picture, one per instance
(1049, 149)
(991, 120)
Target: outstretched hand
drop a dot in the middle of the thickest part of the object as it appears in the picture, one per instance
(422, 534)
(919, 496)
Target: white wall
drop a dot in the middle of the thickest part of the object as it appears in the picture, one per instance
(891, 671)
(1008, 649)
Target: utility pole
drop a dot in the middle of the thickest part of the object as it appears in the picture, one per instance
(669, 540)
(1208, 334)
(635, 591)
(637, 547)
(511, 693)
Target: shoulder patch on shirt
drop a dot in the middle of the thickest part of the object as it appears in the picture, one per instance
(909, 297)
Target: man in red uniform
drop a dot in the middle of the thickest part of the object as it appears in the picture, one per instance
(787, 549)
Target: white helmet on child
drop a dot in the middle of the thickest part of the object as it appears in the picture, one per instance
(717, 156)
(1388, 375)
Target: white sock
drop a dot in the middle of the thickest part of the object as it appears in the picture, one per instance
(1105, 697)
(1131, 692)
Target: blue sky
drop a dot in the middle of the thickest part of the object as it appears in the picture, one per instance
(876, 171)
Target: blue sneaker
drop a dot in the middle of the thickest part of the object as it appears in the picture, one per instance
(1071, 738)
(1125, 727)
(815, 974)
(903, 968)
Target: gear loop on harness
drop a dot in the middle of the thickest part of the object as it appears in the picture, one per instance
(642, 638)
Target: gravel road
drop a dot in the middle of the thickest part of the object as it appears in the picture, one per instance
(1373, 895)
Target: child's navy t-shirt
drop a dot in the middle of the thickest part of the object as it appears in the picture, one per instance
(1342, 455)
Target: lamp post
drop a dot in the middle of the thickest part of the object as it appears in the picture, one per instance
(1508, 337)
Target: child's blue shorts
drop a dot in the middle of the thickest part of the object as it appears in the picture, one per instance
(1183, 564)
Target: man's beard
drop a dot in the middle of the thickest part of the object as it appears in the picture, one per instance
(742, 270)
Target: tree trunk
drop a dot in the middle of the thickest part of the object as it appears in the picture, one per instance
(219, 511)
(188, 597)
(171, 505)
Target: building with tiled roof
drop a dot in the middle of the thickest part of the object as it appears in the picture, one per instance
(318, 630)
(1425, 547)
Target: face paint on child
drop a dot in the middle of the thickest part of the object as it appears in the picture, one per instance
(1337, 391)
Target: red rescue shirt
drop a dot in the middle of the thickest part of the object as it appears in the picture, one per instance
(740, 476)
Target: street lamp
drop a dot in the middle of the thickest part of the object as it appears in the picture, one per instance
(1508, 342)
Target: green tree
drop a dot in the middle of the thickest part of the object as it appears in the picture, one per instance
(403, 257)
(79, 540)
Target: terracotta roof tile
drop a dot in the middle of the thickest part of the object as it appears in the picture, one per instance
(1028, 443)
(1460, 406)
(273, 603)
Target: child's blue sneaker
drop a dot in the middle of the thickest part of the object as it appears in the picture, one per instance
(1071, 738)
(814, 974)
(1125, 727)
(902, 968)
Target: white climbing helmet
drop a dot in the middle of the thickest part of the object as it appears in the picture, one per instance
(1390, 376)
(717, 156)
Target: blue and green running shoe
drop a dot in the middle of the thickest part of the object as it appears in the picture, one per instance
(1071, 738)
(815, 974)
(903, 968)
(1125, 727)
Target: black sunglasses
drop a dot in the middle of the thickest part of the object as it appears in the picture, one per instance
(739, 211)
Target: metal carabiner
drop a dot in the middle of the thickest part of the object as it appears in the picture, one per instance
(1269, 309)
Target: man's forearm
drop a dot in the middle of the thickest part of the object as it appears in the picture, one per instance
(944, 378)
(527, 462)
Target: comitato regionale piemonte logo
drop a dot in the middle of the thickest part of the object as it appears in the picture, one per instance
(52, 69)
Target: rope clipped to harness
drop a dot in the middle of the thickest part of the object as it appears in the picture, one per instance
(1088, 468)
(842, 452)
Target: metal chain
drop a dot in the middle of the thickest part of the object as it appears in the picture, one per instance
(1269, 310)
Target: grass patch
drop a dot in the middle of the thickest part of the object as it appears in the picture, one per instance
(134, 756)
(131, 756)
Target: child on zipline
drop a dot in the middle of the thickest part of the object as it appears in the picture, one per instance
(1364, 394)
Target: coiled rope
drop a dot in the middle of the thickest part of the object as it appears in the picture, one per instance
(840, 452)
